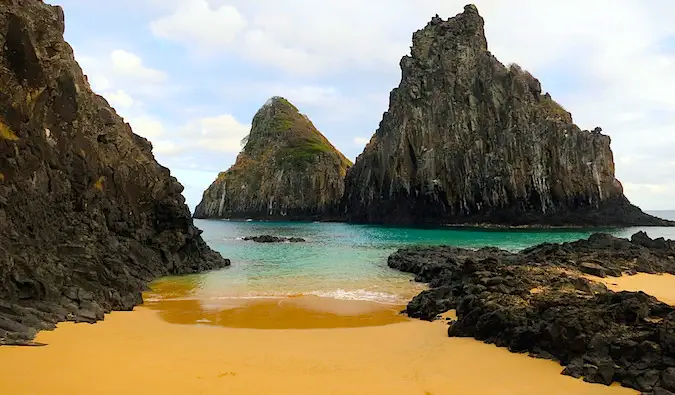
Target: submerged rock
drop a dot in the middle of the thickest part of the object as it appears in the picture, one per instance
(87, 216)
(274, 239)
(287, 170)
(538, 301)
(469, 140)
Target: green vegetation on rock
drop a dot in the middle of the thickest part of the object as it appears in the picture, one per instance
(553, 107)
(287, 167)
(7, 133)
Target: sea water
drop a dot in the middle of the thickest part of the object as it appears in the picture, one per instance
(338, 260)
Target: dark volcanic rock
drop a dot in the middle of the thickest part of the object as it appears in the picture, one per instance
(87, 216)
(274, 239)
(469, 140)
(287, 170)
(538, 301)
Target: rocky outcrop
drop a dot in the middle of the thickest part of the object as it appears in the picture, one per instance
(287, 170)
(274, 239)
(469, 140)
(87, 216)
(538, 301)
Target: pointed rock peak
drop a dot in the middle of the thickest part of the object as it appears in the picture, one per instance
(278, 119)
(471, 9)
(465, 29)
(287, 170)
(279, 103)
(279, 125)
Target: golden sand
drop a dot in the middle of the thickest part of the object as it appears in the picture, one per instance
(660, 286)
(141, 353)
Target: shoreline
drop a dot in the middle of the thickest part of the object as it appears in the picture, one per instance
(138, 353)
(541, 301)
(478, 226)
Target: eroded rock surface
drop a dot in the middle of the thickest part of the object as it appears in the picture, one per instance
(87, 216)
(538, 301)
(274, 239)
(469, 140)
(287, 170)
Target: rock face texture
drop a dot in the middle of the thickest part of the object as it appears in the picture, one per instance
(539, 301)
(287, 170)
(469, 140)
(87, 216)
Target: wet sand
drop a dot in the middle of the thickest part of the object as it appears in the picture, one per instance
(300, 312)
(660, 286)
(141, 352)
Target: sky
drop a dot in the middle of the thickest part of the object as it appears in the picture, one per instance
(190, 74)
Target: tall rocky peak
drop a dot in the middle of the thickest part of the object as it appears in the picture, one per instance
(287, 170)
(469, 140)
(87, 216)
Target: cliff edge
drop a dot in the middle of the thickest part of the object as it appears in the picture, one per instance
(87, 216)
(467, 140)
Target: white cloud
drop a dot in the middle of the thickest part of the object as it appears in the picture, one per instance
(361, 140)
(222, 133)
(296, 36)
(130, 66)
(119, 99)
(119, 75)
(99, 83)
(604, 60)
(147, 127)
(167, 148)
(194, 22)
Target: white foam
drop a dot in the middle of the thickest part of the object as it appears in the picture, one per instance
(359, 294)
(340, 294)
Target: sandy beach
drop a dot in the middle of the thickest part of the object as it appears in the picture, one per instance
(660, 286)
(140, 352)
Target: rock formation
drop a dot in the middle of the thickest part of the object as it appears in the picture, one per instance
(287, 170)
(274, 239)
(538, 301)
(468, 140)
(87, 216)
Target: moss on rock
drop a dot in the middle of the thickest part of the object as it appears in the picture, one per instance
(287, 169)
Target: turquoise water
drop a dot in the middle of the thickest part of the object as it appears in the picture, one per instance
(342, 261)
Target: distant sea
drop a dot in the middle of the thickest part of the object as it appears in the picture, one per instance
(665, 214)
(340, 261)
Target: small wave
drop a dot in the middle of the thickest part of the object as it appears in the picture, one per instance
(340, 294)
(246, 297)
(359, 294)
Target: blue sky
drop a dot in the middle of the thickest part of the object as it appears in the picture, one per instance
(190, 74)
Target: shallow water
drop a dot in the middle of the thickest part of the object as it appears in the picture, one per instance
(338, 261)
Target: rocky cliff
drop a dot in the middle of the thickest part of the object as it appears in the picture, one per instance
(287, 170)
(87, 216)
(468, 140)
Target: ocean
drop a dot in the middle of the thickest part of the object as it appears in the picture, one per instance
(338, 261)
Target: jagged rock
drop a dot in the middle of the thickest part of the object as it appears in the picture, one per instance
(274, 239)
(538, 301)
(87, 216)
(287, 170)
(467, 140)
